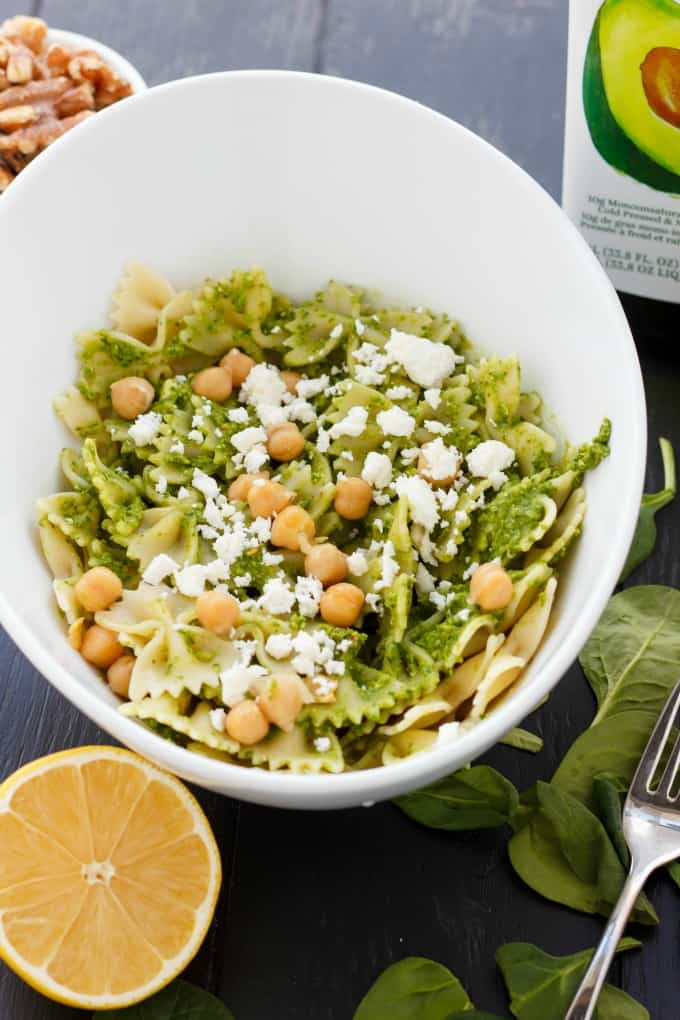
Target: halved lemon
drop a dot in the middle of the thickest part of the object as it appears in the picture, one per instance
(109, 876)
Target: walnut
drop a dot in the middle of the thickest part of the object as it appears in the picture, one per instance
(45, 90)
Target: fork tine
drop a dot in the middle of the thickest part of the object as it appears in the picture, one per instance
(670, 772)
(640, 786)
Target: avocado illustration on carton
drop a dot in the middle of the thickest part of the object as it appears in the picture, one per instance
(622, 150)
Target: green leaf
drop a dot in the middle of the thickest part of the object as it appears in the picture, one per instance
(541, 986)
(179, 1001)
(674, 871)
(476, 1014)
(631, 658)
(474, 798)
(644, 539)
(562, 851)
(523, 740)
(414, 989)
(607, 792)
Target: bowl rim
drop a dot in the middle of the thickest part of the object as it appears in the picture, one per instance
(328, 791)
(120, 63)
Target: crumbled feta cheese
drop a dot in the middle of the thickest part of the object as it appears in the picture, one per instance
(242, 580)
(237, 681)
(437, 427)
(197, 421)
(373, 602)
(307, 388)
(218, 718)
(145, 428)
(438, 600)
(308, 592)
(378, 524)
(322, 744)
(336, 332)
(424, 361)
(359, 327)
(421, 499)
(277, 597)
(399, 392)
(489, 460)
(255, 458)
(396, 422)
(353, 424)
(408, 456)
(335, 667)
(246, 439)
(207, 532)
(463, 614)
(159, 568)
(440, 461)
(195, 436)
(261, 529)
(301, 410)
(377, 470)
(461, 517)
(238, 415)
(176, 447)
(275, 329)
(368, 376)
(271, 559)
(448, 498)
(433, 397)
(162, 485)
(322, 440)
(357, 564)
(181, 378)
(263, 385)
(424, 580)
(270, 414)
(389, 568)
(279, 646)
(205, 484)
(381, 498)
(469, 571)
(448, 731)
(183, 492)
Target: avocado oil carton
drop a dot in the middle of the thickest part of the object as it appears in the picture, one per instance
(622, 149)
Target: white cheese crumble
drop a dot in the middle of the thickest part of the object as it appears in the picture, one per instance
(244, 440)
(218, 718)
(237, 681)
(162, 485)
(176, 447)
(389, 568)
(205, 484)
(279, 646)
(322, 440)
(469, 571)
(159, 568)
(440, 461)
(377, 470)
(238, 415)
(421, 499)
(307, 388)
(322, 744)
(448, 731)
(399, 393)
(277, 597)
(489, 460)
(437, 427)
(336, 332)
(396, 422)
(433, 397)
(308, 592)
(263, 385)
(353, 424)
(242, 580)
(424, 580)
(425, 362)
(195, 436)
(145, 428)
(357, 564)
(359, 327)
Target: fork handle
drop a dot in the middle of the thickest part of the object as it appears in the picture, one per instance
(585, 1000)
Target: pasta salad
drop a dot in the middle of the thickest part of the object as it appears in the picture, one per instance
(314, 536)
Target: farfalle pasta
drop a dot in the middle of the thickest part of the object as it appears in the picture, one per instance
(314, 536)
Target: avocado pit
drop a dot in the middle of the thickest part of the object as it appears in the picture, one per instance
(661, 81)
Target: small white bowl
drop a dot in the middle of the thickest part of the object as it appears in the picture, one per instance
(313, 178)
(120, 65)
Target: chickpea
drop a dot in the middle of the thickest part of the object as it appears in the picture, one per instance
(246, 723)
(290, 529)
(327, 563)
(119, 674)
(217, 611)
(76, 633)
(239, 364)
(353, 497)
(213, 383)
(97, 589)
(100, 646)
(131, 396)
(491, 587)
(240, 487)
(282, 700)
(341, 604)
(285, 441)
(268, 498)
(291, 380)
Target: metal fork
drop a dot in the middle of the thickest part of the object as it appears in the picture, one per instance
(651, 825)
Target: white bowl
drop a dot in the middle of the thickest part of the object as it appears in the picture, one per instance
(313, 178)
(119, 64)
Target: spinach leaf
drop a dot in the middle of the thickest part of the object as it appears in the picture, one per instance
(541, 986)
(644, 539)
(673, 870)
(607, 792)
(523, 740)
(474, 1015)
(414, 989)
(562, 851)
(178, 1001)
(474, 798)
(631, 659)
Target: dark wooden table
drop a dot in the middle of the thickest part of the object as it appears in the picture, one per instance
(314, 906)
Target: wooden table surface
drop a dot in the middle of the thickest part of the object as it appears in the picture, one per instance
(314, 906)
